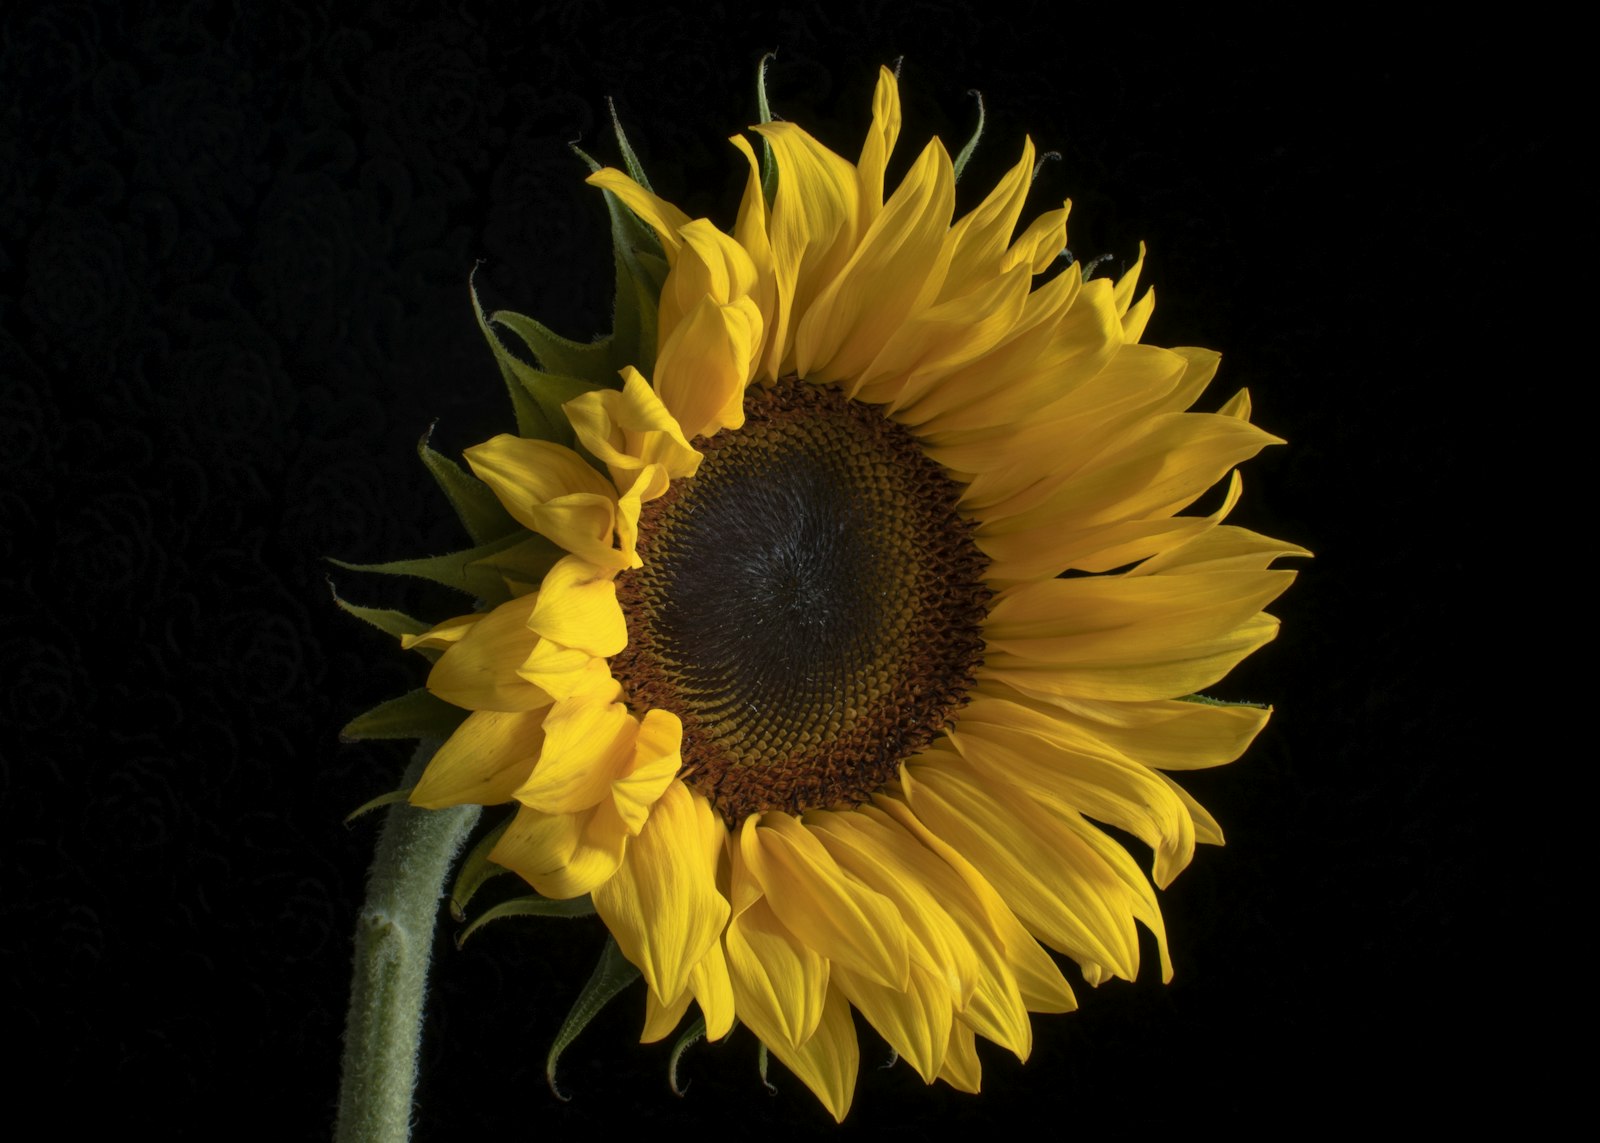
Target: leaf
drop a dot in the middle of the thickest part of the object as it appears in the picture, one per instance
(972, 144)
(640, 270)
(611, 975)
(476, 869)
(691, 1036)
(461, 570)
(387, 620)
(769, 169)
(528, 561)
(481, 514)
(531, 906)
(531, 419)
(591, 361)
(416, 714)
(389, 799)
(635, 169)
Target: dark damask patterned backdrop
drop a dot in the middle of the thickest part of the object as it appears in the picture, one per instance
(234, 249)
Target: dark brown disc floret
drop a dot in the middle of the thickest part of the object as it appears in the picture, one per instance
(811, 605)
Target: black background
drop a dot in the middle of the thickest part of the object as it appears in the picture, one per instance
(234, 249)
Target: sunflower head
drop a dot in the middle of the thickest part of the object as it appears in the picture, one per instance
(838, 602)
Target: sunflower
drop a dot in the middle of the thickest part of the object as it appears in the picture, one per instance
(870, 607)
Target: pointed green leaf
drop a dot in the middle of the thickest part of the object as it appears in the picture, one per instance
(641, 270)
(972, 144)
(691, 1036)
(769, 169)
(477, 869)
(611, 975)
(531, 420)
(528, 561)
(389, 799)
(483, 516)
(461, 570)
(590, 361)
(530, 906)
(387, 620)
(416, 714)
(550, 391)
(761, 1066)
(635, 168)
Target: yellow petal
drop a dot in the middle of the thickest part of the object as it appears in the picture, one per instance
(479, 671)
(879, 144)
(660, 1019)
(889, 861)
(779, 983)
(1038, 980)
(712, 265)
(441, 635)
(662, 906)
(553, 491)
(563, 855)
(577, 607)
(1027, 751)
(951, 926)
(815, 219)
(565, 673)
(821, 904)
(484, 761)
(856, 314)
(1170, 735)
(750, 231)
(915, 1021)
(1057, 885)
(628, 430)
(943, 338)
(705, 364)
(713, 991)
(587, 746)
(979, 240)
(653, 763)
(659, 214)
(1126, 637)
(962, 1069)
(827, 1062)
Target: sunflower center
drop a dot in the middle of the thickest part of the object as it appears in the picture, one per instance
(811, 605)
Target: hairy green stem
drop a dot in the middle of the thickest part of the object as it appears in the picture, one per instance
(394, 941)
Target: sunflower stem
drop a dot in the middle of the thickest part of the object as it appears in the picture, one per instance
(394, 942)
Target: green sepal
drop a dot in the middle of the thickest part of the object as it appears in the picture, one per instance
(527, 561)
(415, 714)
(611, 975)
(531, 420)
(591, 361)
(391, 798)
(641, 269)
(1207, 700)
(387, 620)
(761, 1066)
(635, 168)
(769, 168)
(480, 512)
(691, 1036)
(530, 906)
(965, 156)
(476, 870)
(463, 570)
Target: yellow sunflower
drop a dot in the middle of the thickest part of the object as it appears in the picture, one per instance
(806, 703)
